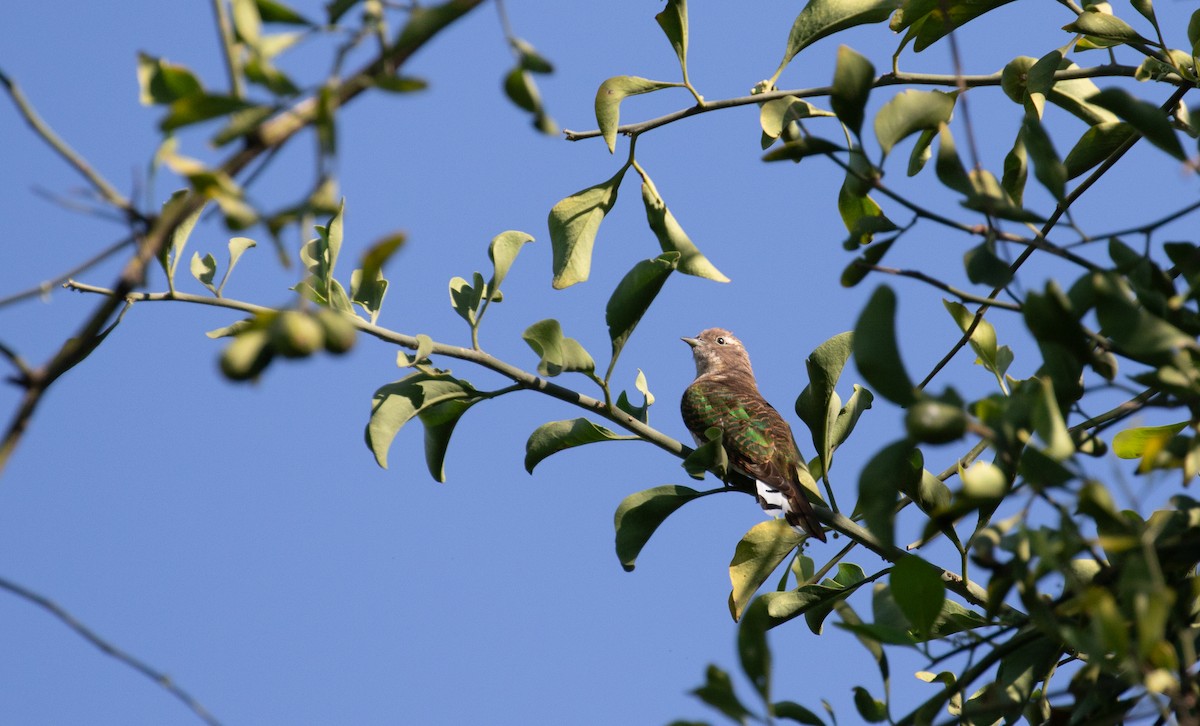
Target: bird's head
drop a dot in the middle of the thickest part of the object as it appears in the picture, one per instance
(717, 350)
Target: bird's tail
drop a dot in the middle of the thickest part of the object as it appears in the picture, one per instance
(793, 505)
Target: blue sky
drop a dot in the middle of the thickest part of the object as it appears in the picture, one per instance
(242, 538)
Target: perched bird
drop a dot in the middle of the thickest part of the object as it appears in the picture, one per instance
(758, 442)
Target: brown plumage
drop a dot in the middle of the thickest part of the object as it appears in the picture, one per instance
(757, 440)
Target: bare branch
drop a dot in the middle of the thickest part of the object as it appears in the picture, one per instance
(108, 648)
(106, 190)
(44, 288)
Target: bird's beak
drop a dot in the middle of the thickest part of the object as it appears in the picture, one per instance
(693, 342)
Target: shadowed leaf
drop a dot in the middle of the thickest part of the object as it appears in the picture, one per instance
(640, 514)
(573, 224)
(551, 438)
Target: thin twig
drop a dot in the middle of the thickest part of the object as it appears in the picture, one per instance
(960, 294)
(106, 190)
(228, 51)
(889, 79)
(1062, 207)
(44, 288)
(108, 648)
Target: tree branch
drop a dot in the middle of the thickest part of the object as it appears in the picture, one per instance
(108, 648)
(270, 134)
(888, 79)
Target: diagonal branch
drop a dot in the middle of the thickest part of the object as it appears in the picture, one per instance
(108, 648)
(270, 134)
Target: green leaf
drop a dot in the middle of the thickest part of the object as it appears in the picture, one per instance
(909, 112)
(919, 591)
(1049, 425)
(673, 19)
(171, 252)
(439, 422)
(633, 297)
(551, 438)
(558, 354)
(753, 650)
(813, 601)
(821, 18)
(1148, 119)
(1134, 443)
(466, 297)
(320, 255)
(872, 710)
(801, 148)
(424, 348)
(929, 20)
(246, 21)
(949, 167)
(816, 403)
(1096, 145)
(237, 247)
(503, 252)
(875, 350)
(1016, 171)
(573, 224)
(988, 196)
(707, 456)
(857, 270)
(640, 514)
(1047, 166)
(983, 338)
(852, 79)
(272, 11)
(893, 469)
(399, 84)
(335, 9)
(205, 270)
(609, 97)
(242, 123)
(776, 114)
(795, 712)
(531, 60)
(1141, 335)
(1102, 25)
(848, 415)
(672, 238)
(718, 692)
(199, 107)
(521, 90)
(396, 403)
(920, 154)
(164, 83)
(756, 556)
(377, 255)
(369, 294)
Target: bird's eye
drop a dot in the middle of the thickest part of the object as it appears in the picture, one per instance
(721, 341)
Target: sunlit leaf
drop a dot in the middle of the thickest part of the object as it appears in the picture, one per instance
(672, 238)
(909, 112)
(558, 354)
(609, 97)
(673, 19)
(573, 224)
(821, 18)
(204, 270)
(757, 555)
(1133, 443)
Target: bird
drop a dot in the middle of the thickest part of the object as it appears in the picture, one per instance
(757, 440)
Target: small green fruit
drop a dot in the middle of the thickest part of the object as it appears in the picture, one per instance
(295, 334)
(340, 333)
(246, 356)
(934, 422)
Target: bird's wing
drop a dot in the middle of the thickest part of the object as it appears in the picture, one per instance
(758, 442)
